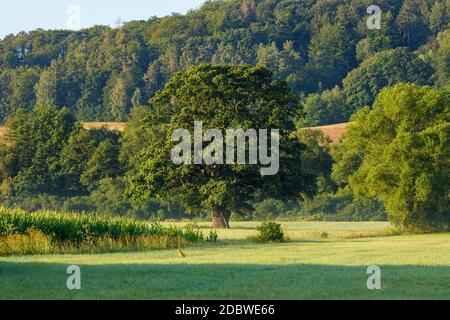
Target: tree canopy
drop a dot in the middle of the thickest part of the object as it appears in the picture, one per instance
(399, 152)
(383, 69)
(222, 97)
(100, 73)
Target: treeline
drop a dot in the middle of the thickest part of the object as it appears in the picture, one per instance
(323, 49)
(49, 161)
(393, 162)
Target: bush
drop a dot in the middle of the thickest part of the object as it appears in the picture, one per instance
(326, 204)
(192, 233)
(342, 207)
(270, 231)
(268, 209)
(324, 235)
(107, 200)
(212, 236)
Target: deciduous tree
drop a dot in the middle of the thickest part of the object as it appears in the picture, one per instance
(404, 155)
(223, 97)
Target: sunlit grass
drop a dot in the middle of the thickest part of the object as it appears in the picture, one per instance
(303, 230)
(413, 267)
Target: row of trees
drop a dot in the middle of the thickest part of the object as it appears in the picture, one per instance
(101, 73)
(46, 150)
(396, 153)
(48, 160)
(394, 159)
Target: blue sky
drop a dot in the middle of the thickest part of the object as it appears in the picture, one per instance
(26, 15)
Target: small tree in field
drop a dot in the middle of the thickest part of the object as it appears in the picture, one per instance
(222, 97)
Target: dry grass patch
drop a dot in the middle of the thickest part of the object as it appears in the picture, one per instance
(112, 126)
(334, 131)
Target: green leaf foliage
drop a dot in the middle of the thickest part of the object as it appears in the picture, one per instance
(400, 153)
(223, 97)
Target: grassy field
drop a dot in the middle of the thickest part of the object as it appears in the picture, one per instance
(412, 266)
(302, 230)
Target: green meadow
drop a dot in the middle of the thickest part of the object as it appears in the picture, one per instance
(319, 261)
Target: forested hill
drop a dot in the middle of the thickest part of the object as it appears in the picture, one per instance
(323, 49)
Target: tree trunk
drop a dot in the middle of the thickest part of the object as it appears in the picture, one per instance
(220, 217)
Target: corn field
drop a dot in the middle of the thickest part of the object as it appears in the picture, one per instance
(77, 228)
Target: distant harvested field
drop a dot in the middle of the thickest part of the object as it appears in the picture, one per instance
(334, 131)
(113, 126)
(3, 130)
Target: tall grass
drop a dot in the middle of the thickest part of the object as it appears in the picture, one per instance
(72, 232)
(33, 242)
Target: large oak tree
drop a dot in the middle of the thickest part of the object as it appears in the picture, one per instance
(223, 97)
